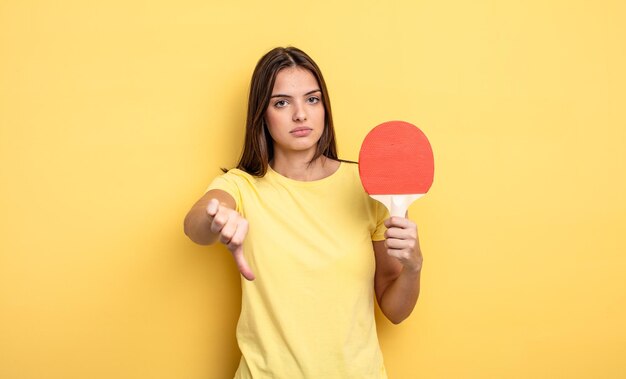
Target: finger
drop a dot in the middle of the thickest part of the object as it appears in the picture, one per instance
(242, 264)
(401, 254)
(213, 207)
(398, 222)
(219, 220)
(396, 243)
(240, 233)
(399, 233)
(228, 230)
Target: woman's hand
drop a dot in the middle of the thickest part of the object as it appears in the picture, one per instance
(398, 269)
(232, 229)
(402, 243)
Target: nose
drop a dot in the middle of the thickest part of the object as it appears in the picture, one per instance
(299, 113)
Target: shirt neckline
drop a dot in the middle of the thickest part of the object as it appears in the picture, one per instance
(302, 183)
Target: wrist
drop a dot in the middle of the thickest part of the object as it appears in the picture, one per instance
(412, 271)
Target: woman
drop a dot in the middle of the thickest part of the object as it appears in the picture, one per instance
(313, 247)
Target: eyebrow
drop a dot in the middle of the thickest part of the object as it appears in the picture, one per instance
(288, 96)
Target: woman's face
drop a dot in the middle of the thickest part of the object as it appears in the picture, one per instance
(295, 114)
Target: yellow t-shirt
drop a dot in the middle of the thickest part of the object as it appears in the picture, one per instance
(310, 311)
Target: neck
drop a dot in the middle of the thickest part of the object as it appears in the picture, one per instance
(296, 166)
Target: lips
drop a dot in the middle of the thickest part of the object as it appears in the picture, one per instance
(301, 131)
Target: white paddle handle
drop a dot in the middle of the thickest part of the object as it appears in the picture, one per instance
(397, 204)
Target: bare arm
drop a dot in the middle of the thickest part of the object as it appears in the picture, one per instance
(214, 217)
(398, 269)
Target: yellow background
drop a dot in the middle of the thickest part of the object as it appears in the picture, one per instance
(115, 116)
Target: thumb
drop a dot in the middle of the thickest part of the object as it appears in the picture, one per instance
(242, 264)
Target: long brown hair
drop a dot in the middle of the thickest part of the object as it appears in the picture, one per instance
(258, 149)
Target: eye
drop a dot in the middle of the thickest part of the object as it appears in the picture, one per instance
(313, 100)
(280, 103)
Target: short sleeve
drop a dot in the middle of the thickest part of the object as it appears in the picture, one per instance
(228, 183)
(381, 215)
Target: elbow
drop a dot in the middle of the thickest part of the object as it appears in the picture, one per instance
(397, 319)
(187, 227)
(189, 230)
(398, 315)
(395, 316)
(395, 313)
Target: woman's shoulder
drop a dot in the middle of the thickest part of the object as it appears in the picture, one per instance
(238, 175)
(349, 168)
(236, 172)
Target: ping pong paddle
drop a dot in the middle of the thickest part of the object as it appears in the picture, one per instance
(396, 165)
